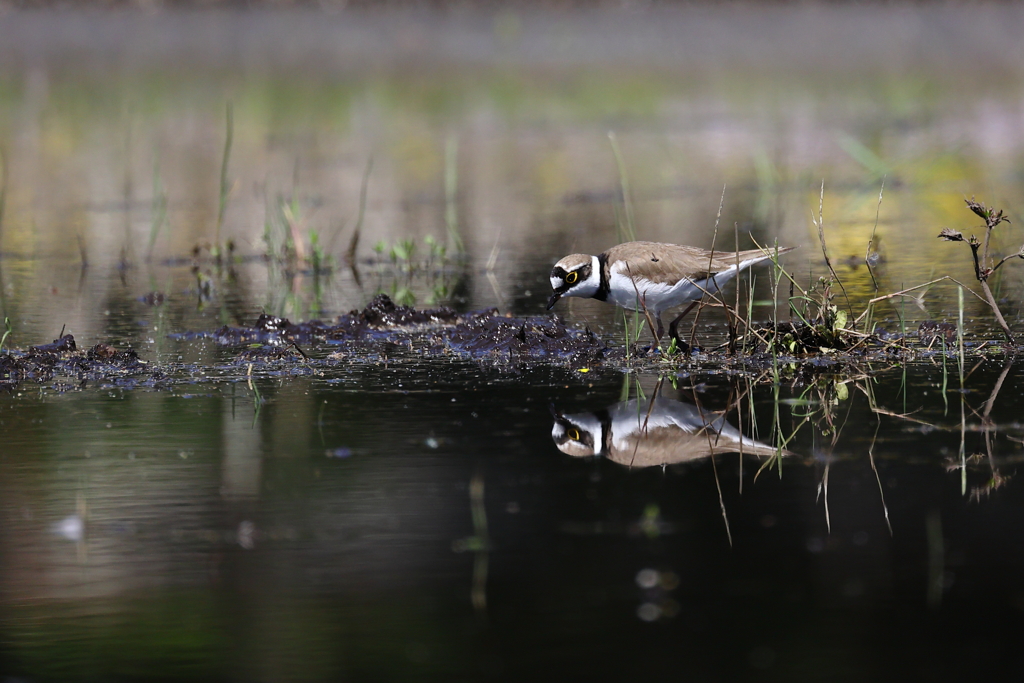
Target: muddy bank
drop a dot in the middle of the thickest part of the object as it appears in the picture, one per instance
(62, 358)
(381, 329)
(384, 330)
(383, 326)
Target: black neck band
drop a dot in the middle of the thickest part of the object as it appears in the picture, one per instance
(602, 288)
(605, 418)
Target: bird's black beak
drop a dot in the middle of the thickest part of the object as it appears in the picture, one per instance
(554, 299)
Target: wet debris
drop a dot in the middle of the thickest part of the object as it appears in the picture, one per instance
(380, 315)
(518, 339)
(799, 338)
(268, 329)
(383, 313)
(152, 298)
(931, 331)
(62, 358)
(13, 370)
(385, 327)
(57, 348)
(269, 354)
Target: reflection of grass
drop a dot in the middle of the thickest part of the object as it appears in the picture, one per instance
(7, 332)
(404, 264)
(627, 229)
(257, 397)
(451, 189)
(158, 210)
(3, 189)
(357, 231)
(224, 189)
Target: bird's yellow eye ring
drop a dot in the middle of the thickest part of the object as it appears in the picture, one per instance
(572, 277)
(574, 434)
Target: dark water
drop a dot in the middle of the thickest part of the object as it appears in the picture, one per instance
(418, 521)
(384, 516)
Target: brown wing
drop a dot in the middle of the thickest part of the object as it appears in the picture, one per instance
(668, 263)
(671, 445)
(728, 259)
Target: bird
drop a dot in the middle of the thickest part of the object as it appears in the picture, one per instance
(652, 275)
(654, 431)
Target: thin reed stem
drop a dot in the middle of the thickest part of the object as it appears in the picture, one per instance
(629, 234)
(224, 189)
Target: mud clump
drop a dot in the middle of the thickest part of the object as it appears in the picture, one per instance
(13, 370)
(62, 358)
(518, 339)
(932, 331)
(382, 313)
(268, 329)
(269, 354)
(58, 347)
(384, 328)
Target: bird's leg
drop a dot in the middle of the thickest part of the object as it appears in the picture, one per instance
(658, 334)
(673, 327)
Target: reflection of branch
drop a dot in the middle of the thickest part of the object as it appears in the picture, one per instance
(874, 468)
(834, 431)
(883, 411)
(491, 277)
(476, 500)
(479, 543)
(989, 427)
(714, 465)
(823, 487)
(963, 447)
(647, 417)
(721, 501)
(991, 402)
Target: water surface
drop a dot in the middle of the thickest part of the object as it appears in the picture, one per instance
(388, 516)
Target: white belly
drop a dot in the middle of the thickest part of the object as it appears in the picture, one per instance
(658, 296)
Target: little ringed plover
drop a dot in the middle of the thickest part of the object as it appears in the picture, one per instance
(654, 275)
(655, 431)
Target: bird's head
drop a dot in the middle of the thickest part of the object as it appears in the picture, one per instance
(579, 435)
(575, 275)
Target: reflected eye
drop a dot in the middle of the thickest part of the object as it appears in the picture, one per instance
(573, 434)
(572, 277)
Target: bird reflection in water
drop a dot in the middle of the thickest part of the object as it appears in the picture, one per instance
(644, 432)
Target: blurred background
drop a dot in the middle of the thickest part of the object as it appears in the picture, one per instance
(171, 167)
(508, 132)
